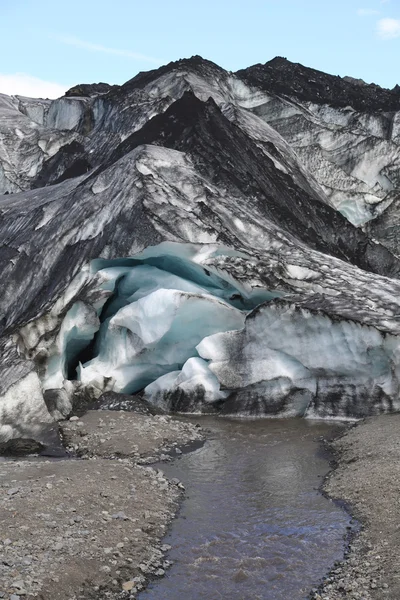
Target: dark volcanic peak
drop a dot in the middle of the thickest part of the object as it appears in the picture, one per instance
(87, 90)
(195, 64)
(280, 76)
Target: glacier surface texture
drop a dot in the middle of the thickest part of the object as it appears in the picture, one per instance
(210, 241)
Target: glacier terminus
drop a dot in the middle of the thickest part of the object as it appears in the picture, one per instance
(214, 242)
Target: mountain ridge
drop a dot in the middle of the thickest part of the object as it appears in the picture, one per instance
(282, 76)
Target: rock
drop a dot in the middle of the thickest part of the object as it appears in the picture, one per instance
(120, 515)
(240, 576)
(58, 546)
(105, 569)
(58, 403)
(74, 418)
(13, 491)
(114, 401)
(128, 586)
(21, 447)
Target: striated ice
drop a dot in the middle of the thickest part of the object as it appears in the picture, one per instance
(344, 366)
(188, 390)
(155, 335)
(66, 113)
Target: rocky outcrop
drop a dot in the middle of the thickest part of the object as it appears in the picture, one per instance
(86, 90)
(282, 77)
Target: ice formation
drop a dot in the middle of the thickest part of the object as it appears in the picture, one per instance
(182, 236)
(192, 389)
(193, 341)
(154, 319)
(290, 360)
(77, 330)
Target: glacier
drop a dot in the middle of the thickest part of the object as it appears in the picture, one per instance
(213, 241)
(190, 339)
(293, 361)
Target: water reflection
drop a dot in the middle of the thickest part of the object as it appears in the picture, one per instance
(253, 525)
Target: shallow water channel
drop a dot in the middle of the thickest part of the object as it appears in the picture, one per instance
(253, 524)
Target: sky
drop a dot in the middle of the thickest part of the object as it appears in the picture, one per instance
(47, 46)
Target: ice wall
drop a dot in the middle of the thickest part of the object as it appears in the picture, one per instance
(293, 361)
(161, 304)
(169, 324)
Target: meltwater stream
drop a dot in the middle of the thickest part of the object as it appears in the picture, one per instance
(253, 525)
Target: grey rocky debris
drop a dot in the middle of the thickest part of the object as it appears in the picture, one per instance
(115, 401)
(20, 447)
(366, 478)
(76, 528)
(115, 434)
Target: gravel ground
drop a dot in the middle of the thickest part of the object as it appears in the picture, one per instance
(110, 434)
(90, 528)
(367, 477)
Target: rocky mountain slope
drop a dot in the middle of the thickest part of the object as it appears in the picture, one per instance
(213, 241)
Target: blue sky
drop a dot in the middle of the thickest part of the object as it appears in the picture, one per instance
(47, 46)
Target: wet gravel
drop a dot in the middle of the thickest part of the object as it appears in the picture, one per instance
(90, 527)
(367, 477)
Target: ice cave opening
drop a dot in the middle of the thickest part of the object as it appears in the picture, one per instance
(173, 324)
(142, 334)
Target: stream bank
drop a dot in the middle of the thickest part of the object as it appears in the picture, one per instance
(92, 528)
(367, 478)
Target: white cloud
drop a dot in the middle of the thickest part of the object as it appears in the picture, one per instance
(22, 84)
(388, 29)
(74, 41)
(367, 12)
